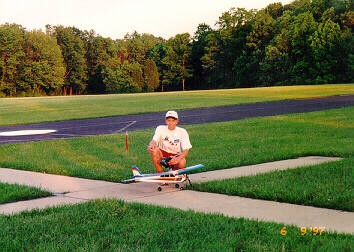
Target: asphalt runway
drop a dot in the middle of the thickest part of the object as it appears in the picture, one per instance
(118, 124)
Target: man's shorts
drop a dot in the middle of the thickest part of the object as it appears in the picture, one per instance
(167, 154)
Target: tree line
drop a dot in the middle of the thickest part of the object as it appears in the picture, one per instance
(304, 42)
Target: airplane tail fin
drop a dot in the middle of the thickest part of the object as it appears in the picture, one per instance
(136, 171)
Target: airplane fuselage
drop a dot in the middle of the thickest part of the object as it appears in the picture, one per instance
(165, 178)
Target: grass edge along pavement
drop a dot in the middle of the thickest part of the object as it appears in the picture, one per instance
(114, 224)
(328, 185)
(13, 192)
(45, 109)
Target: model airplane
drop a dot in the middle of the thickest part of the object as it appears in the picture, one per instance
(176, 176)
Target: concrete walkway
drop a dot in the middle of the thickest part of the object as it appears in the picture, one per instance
(259, 168)
(71, 190)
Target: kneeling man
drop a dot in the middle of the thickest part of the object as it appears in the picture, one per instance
(170, 141)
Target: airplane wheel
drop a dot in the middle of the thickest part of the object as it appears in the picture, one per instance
(181, 188)
(159, 189)
(177, 185)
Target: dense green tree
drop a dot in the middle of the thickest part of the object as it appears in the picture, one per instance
(329, 43)
(136, 73)
(138, 46)
(300, 32)
(160, 54)
(151, 75)
(11, 56)
(198, 49)
(178, 56)
(73, 51)
(43, 69)
(126, 78)
(247, 66)
(275, 10)
(225, 45)
(99, 54)
(262, 31)
(307, 51)
(118, 81)
(303, 42)
(135, 47)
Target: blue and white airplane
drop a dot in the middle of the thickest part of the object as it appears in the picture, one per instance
(176, 176)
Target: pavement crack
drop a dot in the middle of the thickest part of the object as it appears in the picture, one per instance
(71, 197)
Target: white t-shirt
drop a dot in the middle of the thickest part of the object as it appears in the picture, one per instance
(172, 141)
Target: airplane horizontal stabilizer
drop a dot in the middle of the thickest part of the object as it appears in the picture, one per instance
(128, 180)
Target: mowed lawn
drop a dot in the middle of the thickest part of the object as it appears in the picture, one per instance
(328, 185)
(44, 109)
(14, 192)
(118, 226)
(217, 146)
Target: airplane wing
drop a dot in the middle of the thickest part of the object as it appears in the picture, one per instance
(188, 169)
(176, 172)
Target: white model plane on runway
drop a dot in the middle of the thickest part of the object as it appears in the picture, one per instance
(176, 176)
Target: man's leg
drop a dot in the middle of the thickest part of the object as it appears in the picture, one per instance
(156, 157)
(181, 164)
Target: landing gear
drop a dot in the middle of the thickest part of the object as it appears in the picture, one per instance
(177, 186)
(159, 188)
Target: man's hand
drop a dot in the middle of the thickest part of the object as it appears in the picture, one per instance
(178, 158)
(175, 160)
(152, 146)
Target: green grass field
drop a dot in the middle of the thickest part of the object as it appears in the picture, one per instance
(117, 226)
(250, 141)
(43, 109)
(328, 185)
(13, 192)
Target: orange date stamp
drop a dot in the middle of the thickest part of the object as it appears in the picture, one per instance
(306, 230)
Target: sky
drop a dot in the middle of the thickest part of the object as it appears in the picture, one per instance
(115, 18)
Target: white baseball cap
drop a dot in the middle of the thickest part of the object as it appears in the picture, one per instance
(172, 113)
